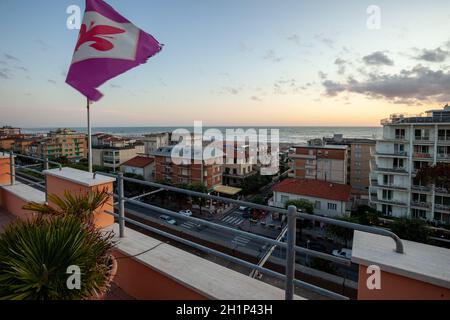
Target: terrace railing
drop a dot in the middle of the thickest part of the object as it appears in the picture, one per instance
(292, 214)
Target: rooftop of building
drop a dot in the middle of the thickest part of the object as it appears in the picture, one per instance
(327, 146)
(428, 117)
(315, 188)
(139, 162)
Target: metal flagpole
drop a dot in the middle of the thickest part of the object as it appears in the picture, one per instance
(89, 135)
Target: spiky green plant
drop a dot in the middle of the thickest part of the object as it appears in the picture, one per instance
(81, 205)
(35, 256)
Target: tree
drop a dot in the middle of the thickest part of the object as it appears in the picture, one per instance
(305, 205)
(366, 215)
(439, 175)
(198, 187)
(411, 229)
(343, 233)
(258, 200)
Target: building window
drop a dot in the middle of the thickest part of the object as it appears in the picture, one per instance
(284, 199)
(419, 214)
(317, 205)
(386, 210)
(332, 206)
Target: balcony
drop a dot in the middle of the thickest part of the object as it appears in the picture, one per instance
(374, 198)
(422, 156)
(151, 268)
(421, 188)
(400, 170)
(420, 204)
(394, 154)
(443, 157)
(374, 183)
(443, 208)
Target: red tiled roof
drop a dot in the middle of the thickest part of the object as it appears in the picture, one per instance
(315, 188)
(139, 162)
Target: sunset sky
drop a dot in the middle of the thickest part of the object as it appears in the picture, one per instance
(235, 62)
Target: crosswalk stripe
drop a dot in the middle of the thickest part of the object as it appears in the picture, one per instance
(228, 218)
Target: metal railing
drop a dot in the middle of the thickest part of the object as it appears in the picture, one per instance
(26, 178)
(292, 214)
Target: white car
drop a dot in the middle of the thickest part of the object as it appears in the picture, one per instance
(187, 213)
(343, 253)
(168, 219)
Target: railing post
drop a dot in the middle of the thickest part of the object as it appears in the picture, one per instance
(290, 251)
(46, 167)
(12, 168)
(120, 191)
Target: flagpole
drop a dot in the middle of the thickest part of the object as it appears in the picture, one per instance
(89, 135)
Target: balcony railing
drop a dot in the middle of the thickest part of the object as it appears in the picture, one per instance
(375, 183)
(421, 204)
(29, 173)
(291, 213)
(394, 169)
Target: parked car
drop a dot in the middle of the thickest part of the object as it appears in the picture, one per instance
(244, 209)
(187, 213)
(343, 253)
(168, 219)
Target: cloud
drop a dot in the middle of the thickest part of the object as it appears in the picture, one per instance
(11, 57)
(44, 46)
(231, 90)
(5, 73)
(322, 75)
(341, 65)
(325, 40)
(415, 86)
(433, 55)
(51, 81)
(272, 56)
(378, 58)
(115, 86)
(22, 68)
(255, 98)
(2, 62)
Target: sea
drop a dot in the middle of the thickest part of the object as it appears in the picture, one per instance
(288, 135)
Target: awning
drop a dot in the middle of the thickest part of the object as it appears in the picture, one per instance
(231, 191)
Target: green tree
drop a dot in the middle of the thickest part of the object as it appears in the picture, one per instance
(198, 187)
(411, 229)
(343, 233)
(305, 205)
(366, 215)
(258, 200)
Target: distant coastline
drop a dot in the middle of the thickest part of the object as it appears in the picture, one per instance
(287, 134)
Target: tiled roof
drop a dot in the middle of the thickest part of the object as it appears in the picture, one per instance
(139, 162)
(315, 188)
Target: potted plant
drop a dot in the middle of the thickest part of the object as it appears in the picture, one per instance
(39, 257)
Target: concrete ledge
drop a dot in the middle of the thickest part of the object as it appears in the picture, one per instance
(204, 277)
(25, 192)
(425, 263)
(80, 177)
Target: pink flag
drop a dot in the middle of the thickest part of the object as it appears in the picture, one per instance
(108, 45)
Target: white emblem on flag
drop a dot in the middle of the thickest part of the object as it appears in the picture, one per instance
(101, 37)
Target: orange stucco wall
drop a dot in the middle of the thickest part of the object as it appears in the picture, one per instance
(395, 287)
(5, 178)
(57, 186)
(14, 204)
(144, 283)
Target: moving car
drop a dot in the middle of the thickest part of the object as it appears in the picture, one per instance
(343, 253)
(187, 213)
(168, 219)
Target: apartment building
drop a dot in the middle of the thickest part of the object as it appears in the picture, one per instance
(7, 131)
(155, 141)
(239, 166)
(329, 199)
(142, 166)
(60, 143)
(6, 144)
(360, 155)
(190, 172)
(409, 143)
(326, 163)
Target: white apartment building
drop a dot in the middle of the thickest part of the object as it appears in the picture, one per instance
(409, 143)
